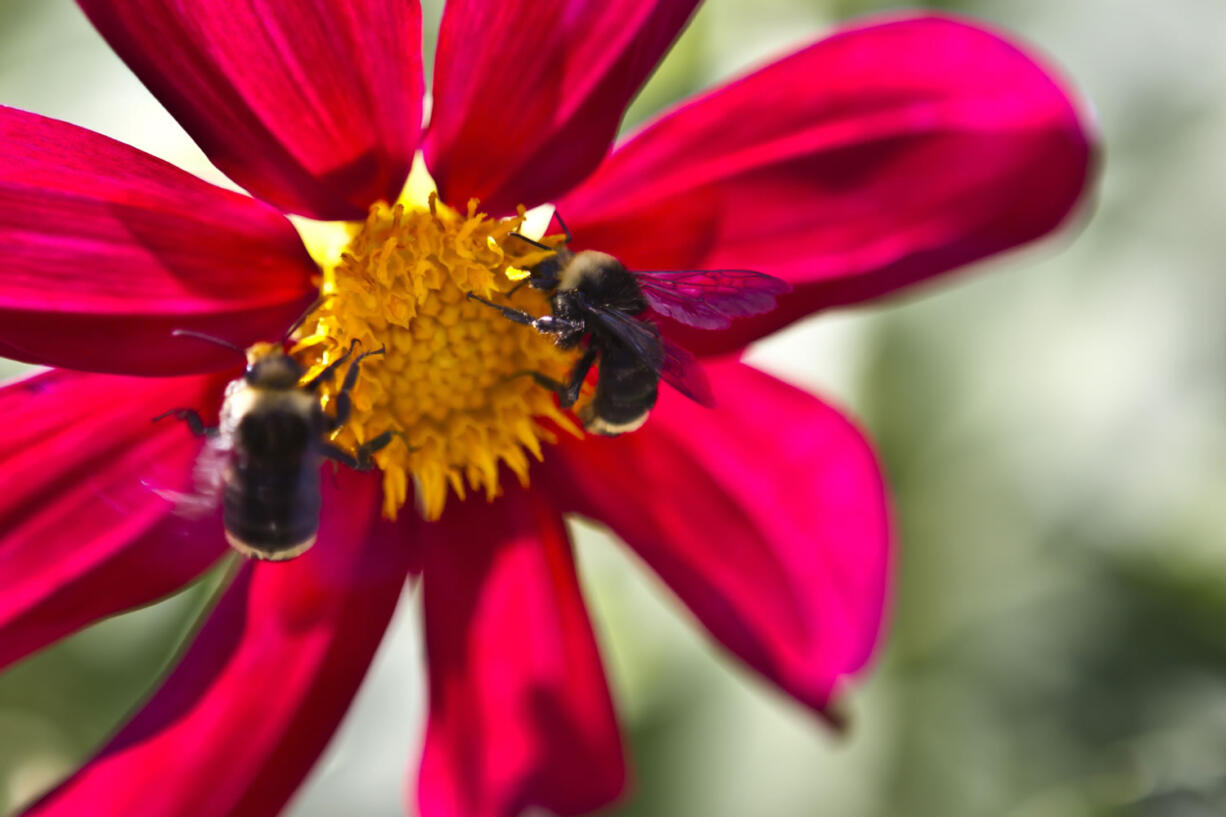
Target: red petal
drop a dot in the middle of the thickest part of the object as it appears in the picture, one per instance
(528, 94)
(238, 724)
(312, 105)
(767, 516)
(83, 535)
(873, 159)
(106, 250)
(519, 712)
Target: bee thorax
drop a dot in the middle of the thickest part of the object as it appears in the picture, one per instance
(589, 268)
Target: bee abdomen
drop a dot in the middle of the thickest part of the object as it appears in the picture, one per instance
(597, 424)
(271, 514)
(271, 553)
(625, 394)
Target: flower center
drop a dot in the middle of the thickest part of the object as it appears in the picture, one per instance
(451, 379)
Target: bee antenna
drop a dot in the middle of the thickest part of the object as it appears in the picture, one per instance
(562, 224)
(301, 319)
(531, 241)
(188, 333)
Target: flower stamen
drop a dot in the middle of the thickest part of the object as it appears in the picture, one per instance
(449, 378)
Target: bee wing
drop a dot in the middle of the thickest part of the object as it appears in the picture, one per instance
(710, 299)
(211, 466)
(642, 337)
(208, 481)
(683, 373)
(673, 364)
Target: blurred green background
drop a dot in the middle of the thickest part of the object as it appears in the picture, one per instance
(1053, 425)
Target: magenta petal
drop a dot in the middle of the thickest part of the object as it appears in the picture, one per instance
(528, 94)
(82, 533)
(240, 721)
(519, 711)
(881, 156)
(105, 250)
(312, 105)
(766, 515)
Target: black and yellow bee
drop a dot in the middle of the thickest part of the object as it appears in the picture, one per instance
(264, 456)
(594, 298)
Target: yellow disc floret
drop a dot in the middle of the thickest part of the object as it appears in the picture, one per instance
(451, 379)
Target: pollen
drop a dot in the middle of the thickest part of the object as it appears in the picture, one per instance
(451, 381)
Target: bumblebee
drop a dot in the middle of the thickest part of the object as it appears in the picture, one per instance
(595, 301)
(264, 456)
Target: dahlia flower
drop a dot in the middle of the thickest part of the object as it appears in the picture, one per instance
(889, 152)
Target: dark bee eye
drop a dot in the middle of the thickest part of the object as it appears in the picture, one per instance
(545, 274)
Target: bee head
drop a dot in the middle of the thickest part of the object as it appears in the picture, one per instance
(269, 367)
(545, 275)
(548, 274)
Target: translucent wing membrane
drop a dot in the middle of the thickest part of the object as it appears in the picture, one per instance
(710, 299)
(675, 365)
(642, 337)
(205, 498)
(683, 373)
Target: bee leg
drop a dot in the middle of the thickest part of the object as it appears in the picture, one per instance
(330, 370)
(568, 392)
(378, 444)
(361, 461)
(344, 403)
(551, 325)
(517, 315)
(192, 418)
(547, 324)
(331, 452)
